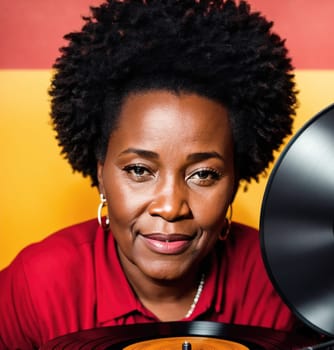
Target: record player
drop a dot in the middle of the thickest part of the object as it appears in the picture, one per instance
(297, 242)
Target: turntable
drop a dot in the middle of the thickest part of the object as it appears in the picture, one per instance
(297, 242)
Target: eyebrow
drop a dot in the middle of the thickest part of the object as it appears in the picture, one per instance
(199, 156)
(194, 157)
(141, 152)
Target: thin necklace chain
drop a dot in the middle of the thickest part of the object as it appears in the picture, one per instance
(196, 297)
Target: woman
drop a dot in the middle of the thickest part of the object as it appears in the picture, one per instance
(166, 105)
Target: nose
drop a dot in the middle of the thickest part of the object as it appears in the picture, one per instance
(171, 203)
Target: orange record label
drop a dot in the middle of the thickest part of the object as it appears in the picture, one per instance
(185, 343)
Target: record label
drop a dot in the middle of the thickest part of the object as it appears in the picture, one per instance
(185, 343)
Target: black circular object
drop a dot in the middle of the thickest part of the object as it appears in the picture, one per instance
(118, 337)
(297, 223)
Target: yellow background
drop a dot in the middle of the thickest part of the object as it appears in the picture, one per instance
(39, 192)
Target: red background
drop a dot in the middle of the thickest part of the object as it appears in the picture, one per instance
(32, 30)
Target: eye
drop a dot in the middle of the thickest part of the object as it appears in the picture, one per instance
(204, 177)
(138, 172)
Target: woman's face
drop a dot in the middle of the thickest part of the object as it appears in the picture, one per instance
(168, 177)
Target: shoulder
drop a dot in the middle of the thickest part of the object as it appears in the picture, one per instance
(243, 238)
(53, 268)
(244, 230)
(241, 258)
(77, 234)
(63, 242)
(248, 286)
(47, 282)
(64, 249)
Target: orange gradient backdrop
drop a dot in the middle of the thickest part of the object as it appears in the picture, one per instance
(39, 192)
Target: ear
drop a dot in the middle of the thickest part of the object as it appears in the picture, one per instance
(100, 166)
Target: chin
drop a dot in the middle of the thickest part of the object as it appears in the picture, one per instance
(165, 272)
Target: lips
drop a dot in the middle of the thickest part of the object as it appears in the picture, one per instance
(167, 243)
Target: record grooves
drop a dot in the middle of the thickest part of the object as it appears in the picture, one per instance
(297, 223)
(118, 337)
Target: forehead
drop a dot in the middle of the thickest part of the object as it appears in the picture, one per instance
(162, 119)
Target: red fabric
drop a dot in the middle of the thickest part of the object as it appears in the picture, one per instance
(73, 280)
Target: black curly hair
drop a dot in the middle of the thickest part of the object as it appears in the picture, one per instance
(215, 48)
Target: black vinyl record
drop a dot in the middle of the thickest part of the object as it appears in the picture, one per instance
(119, 337)
(297, 223)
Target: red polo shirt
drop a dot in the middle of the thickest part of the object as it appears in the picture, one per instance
(73, 280)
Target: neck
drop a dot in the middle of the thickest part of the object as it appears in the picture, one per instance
(171, 301)
(157, 290)
(168, 300)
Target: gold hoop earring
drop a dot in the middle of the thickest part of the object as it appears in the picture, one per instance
(227, 225)
(104, 222)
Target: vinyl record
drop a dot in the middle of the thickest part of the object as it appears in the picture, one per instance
(297, 223)
(120, 337)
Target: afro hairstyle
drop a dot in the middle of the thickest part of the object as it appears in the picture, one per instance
(219, 49)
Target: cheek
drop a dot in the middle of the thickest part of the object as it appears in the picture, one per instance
(210, 214)
(210, 210)
(124, 205)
